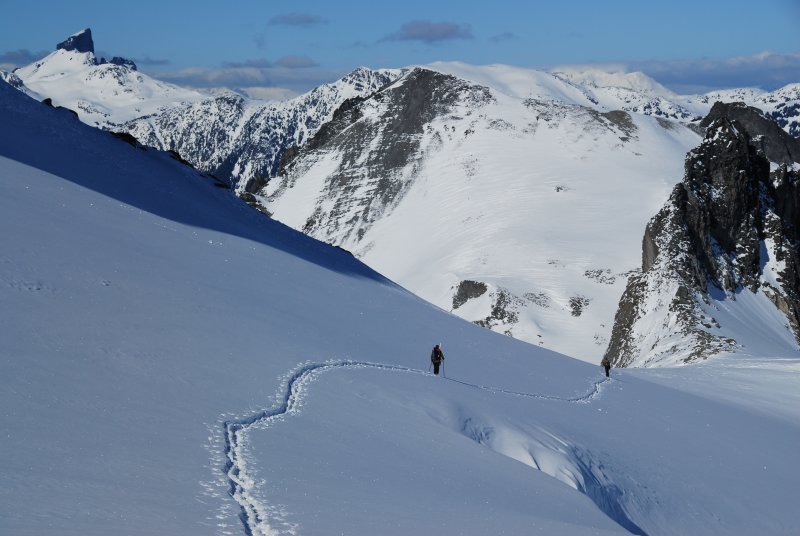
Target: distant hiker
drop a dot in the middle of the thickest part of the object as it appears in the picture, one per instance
(606, 364)
(437, 356)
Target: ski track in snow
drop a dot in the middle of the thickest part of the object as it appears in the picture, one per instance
(253, 515)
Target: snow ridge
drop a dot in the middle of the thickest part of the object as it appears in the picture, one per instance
(255, 515)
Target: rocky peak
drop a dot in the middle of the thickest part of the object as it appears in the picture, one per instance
(83, 42)
(371, 178)
(723, 224)
(124, 62)
(79, 42)
(765, 133)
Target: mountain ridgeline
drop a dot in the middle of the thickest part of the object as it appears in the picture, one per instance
(512, 197)
(726, 240)
(371, 178)
(242, 140)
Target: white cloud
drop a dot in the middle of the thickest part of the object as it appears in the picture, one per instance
(766, 70)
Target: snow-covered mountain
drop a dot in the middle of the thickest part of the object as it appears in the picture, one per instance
(242, 140)
(102, 92)
(522, 214)
(514, 197)
(173, 362)
(781, 105)
(720, 264)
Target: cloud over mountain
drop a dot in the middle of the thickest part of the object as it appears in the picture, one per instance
(767, 70)
(430, 32)
(17, 58)
(294, 73)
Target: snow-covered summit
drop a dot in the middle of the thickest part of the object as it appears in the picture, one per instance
(103, 93)
(614, 88)
(517, 82)
(487, 203)
(619, 78)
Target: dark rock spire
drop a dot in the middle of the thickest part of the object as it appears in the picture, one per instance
(80, 42)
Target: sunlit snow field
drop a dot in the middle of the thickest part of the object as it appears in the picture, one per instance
(151, 325)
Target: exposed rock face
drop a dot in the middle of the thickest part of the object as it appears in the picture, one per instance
(731, 226)
(374, 157)
(124, 62)
(504, 313)
(80, 42)
(12, 80)
(468, 290)
(764, 131)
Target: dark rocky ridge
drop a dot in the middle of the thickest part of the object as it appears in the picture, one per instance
(708, 239)
(123, 62)
(369, 180)
(80, 42)
(777, 147)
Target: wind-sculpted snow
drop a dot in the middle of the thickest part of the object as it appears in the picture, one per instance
(256, 516)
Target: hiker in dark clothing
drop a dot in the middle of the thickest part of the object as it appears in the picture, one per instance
(606, 364)
(437, 356)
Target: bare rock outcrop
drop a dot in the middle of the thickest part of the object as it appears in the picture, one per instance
(731, 226)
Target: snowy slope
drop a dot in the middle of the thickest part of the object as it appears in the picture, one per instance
(514, 197)
(242, 139)
(539, 201)
(632, 92)
(551, 249)
(148, 319)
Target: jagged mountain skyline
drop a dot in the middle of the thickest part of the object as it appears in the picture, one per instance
(271, 50)
(114, 95)
(555, 139)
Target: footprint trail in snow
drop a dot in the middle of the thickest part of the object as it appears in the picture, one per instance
(254, 516)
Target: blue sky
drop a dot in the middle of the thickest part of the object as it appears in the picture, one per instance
(687, 45)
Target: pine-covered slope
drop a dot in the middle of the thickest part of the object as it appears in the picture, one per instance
(720, 260)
